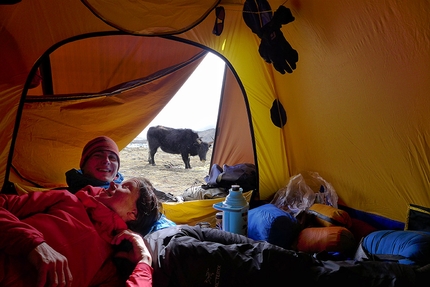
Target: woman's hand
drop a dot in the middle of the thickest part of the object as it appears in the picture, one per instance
(53, 267)
(139, 251)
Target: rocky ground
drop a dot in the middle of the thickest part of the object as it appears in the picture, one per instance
(169, 173)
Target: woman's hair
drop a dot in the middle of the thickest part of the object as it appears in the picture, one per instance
(148, 208)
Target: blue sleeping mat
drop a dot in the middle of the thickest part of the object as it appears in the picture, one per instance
(404, 246)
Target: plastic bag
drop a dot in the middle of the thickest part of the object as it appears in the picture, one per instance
(317, 184)
(301, 191)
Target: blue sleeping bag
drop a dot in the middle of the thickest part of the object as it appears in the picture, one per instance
(272, 224)
(404, 246)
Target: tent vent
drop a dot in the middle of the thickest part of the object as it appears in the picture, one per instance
(278, 114)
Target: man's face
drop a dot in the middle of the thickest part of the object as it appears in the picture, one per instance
(102, 165)
(121, 198)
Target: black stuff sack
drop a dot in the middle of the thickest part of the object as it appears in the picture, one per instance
(242, 174)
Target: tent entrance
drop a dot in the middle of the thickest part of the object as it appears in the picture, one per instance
(112, 85)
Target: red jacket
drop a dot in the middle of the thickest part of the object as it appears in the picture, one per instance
(77, 226)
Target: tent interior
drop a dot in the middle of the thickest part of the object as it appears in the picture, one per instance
(355, 109)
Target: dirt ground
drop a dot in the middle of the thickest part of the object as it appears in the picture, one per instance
(169, 173)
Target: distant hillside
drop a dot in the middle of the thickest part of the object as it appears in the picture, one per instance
(207, 135)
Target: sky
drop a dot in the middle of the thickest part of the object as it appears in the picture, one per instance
(200, 95)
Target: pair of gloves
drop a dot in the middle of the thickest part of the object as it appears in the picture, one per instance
(274, 48)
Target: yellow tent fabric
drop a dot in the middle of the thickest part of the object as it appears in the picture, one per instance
(151, 17)
(195, 211)
(357, 104)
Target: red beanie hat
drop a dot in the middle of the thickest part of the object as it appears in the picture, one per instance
(102, 143)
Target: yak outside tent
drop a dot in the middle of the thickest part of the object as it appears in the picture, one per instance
(356, 105)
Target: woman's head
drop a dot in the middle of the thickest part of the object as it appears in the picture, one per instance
(148, 208)
(135, 202)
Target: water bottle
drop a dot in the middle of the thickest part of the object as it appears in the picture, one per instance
(235, 211)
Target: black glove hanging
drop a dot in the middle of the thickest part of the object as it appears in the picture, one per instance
(274, 48)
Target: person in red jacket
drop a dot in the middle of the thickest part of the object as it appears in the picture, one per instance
(56, 238)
